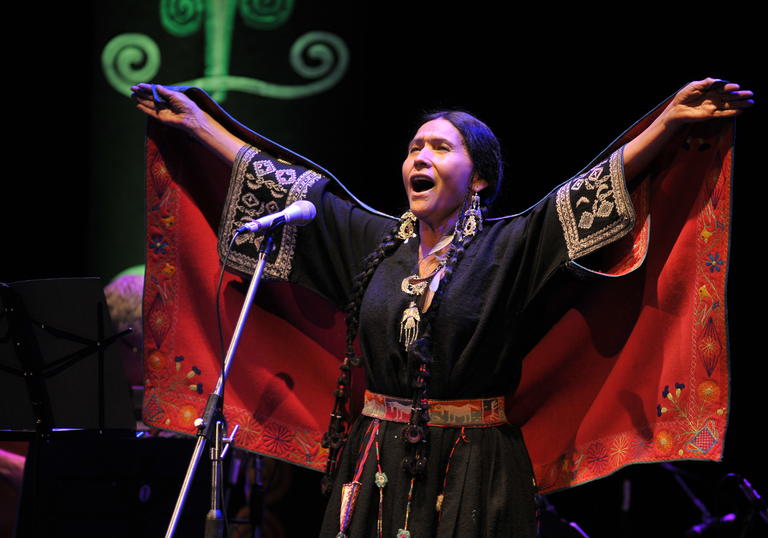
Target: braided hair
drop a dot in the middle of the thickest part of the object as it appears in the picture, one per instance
(485, 152)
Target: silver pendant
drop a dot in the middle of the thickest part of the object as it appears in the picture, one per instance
(409, 325)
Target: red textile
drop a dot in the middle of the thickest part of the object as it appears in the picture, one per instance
(642, 379)
(645, 374)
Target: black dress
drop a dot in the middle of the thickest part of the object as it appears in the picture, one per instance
(484, 473)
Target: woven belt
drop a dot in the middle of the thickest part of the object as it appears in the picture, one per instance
(468, 413)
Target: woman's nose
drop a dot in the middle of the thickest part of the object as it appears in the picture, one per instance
(423, 158)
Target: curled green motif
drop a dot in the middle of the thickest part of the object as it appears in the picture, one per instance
(128, 59)
(181, 18)
(322, 48)
(265, 14)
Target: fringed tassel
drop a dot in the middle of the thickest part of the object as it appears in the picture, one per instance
(351, 490)
(349, 494)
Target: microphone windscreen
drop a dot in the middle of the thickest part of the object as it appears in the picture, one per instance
(301, 212)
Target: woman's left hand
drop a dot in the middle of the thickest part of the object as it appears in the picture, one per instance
(700, 100)
(707, 99)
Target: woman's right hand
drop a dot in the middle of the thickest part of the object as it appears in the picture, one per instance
(175, 109)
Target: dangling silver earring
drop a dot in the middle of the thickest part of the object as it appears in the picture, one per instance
(407, 226)
(473, 217)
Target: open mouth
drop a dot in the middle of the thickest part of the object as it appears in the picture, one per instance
(421, 183)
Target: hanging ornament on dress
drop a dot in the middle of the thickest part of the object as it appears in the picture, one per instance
(407, 226)
(381, 479)
(404, 532)
(414, 285)
(409, 325)
(473, 217)
(349, 493)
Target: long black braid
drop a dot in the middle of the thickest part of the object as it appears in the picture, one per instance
(336, 436)
(387, 247)
(485, 151)
(416, 432)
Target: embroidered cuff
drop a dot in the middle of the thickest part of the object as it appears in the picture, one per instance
(595, 207)
(260, 185)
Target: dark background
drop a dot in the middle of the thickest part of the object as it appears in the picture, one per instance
(556, 86)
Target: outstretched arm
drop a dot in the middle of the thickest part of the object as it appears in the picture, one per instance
(181, 112)
(700, 100)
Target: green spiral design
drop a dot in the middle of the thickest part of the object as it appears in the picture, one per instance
(265, 14)
(128, 59)
(319, 47)
(181, 18)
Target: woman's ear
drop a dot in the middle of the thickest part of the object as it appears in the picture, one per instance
(478, 183)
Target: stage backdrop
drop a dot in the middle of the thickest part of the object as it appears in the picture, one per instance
(556, 87)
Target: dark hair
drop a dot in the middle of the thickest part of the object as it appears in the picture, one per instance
(483, 148)
(485, 151)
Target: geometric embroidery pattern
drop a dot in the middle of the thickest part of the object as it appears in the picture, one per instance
(595, 207)
(261, 185)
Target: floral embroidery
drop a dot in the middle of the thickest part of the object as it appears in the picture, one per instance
(693, 428)
(158, 244)
(277, 438)
(709, 391)
(710, 347)
(664, 441)
(619, 449)
(673, 397)
(168, 269)
(174, 385)
(714, 262)
(639, 447)
(158, 320)
(156, 360)
(597, 457)
(703, 400)
(187, 414)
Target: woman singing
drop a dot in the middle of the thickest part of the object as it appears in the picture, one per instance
(437, 299)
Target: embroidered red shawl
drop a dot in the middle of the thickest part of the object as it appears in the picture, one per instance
(643, 378)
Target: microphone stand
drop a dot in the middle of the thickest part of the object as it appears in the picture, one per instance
(211, 427)
(709, 523)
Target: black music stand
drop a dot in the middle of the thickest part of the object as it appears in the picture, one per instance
(58, 368)
(60, 376)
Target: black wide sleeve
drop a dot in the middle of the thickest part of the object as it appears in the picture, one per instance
(323, 256)
(580, 216)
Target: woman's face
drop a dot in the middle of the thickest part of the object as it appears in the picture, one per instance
(437, 173)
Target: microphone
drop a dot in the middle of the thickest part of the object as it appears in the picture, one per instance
(298, 213)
